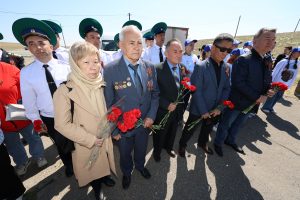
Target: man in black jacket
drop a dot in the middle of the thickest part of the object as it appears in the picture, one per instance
(169, 76)
(250, 80)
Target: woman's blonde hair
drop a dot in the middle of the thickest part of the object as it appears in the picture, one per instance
(80, 50)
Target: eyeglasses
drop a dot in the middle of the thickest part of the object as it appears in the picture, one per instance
(224, 49)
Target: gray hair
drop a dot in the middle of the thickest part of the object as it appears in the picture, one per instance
(171, 41)
(129, 28)
(263, 30)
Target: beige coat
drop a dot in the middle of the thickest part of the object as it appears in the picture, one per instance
(83, 132)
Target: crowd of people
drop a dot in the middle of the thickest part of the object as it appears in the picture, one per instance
(67, 94)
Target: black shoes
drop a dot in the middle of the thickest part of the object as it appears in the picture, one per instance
(171, 153)
(181, 152)
(145, 173)
(126, 182)
(206, 149)
(235, 147)
(108, 181)
(218, 150)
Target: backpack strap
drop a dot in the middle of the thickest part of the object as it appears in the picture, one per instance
(71, 102)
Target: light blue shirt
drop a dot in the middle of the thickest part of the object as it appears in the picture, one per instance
(177, 68)
(131, 71)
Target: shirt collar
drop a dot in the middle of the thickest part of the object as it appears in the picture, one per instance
(256, 54)
(50, 63)
(127, 61)
(171, 66)
(214, 62)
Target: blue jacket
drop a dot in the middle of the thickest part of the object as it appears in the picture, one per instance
(119, 84)
(208, 94)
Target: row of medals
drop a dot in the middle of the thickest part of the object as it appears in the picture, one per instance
(123, 85)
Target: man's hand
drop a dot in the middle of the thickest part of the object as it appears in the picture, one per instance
(99, 142)
(270, 93)
(148, 122)
(117, 137)
(205, 115)
(261, 99)
(215, 112)
(172, 107)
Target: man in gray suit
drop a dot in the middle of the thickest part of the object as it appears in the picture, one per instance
(213, 88)
(134, 80)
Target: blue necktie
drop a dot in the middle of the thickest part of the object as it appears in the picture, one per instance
(137, 79)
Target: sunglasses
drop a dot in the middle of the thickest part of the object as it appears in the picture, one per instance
(223, 49)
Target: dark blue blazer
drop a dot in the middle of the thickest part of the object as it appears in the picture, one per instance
(119, 84)
(208, 94)
(250, 78)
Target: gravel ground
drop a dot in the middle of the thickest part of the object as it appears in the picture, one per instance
(269, 170)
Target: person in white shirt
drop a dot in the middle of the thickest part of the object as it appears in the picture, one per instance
(189, 59)
(149, 39)
(156, 53)
(91, 30)
(40, 79)
(58, 52)
(288, 66)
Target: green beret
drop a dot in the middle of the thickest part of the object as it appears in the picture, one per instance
(24, 27)
(55, 27)
(149, 36)
(160, 27)
(116, 38)
(133, 22)
(1, 36)
(88, 25)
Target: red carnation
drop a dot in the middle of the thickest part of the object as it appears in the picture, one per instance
(122, 127)
(192, 88)
(37, 125)
(114, 115)
(228, 104)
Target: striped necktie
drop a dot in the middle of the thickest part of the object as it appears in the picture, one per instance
(176, 77)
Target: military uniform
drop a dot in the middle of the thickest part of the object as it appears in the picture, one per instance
(155, 53)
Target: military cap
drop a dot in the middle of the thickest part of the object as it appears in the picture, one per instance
(133, 22)
(24, 27)
(160, 27)
(88, 25)
(55, 27)
(116, 38)
(1, 36)
(149, 36)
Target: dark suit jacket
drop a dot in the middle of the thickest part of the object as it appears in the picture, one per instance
(208, 94)
(119, 84)
(250, 78)
(168, 89)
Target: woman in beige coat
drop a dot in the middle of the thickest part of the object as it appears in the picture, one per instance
(85, 88)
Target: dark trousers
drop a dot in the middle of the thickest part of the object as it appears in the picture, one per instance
(96, 185)
(56, 138)
(11, 187)
(165, 137)
(206, 128)
(138, 144)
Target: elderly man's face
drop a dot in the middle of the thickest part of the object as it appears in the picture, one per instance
(132, 45)
(265, 42)
(160, 39)
(40, 47)
(174, 53)
(93, 38)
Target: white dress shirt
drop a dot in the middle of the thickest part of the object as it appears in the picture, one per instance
(105, 57)
(276, 74)
(151, 54)
(36, 96)
(62, 54)
(190, 61)
(117, 55)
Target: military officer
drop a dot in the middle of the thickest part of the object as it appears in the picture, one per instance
(40, 79)
(156, 53)
(91, 30)
(149, 39)
(58, 52)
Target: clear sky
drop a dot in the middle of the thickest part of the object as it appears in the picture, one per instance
(205, 19)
